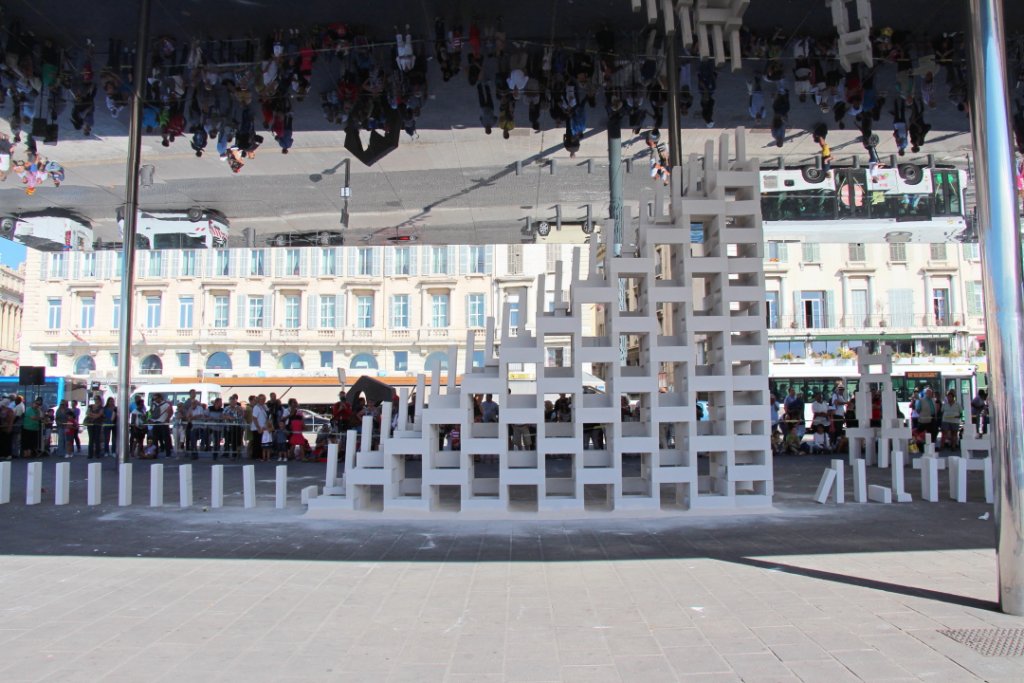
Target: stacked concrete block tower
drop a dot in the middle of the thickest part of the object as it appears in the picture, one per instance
(694, 320)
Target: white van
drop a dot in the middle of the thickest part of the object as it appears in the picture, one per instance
(192, 229)
(48, 233)
(175, 393)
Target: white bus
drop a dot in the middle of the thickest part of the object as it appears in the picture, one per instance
(909, 203)
(175, 393)
(191, 229)
(48, 233)
(907, 378)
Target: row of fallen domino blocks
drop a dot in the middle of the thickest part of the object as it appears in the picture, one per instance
(94, 485)
(832, 483)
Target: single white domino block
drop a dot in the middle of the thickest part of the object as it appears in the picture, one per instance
(62, 484)
(94, 484)
(5, 482)
(281, 487)
(828, 478)
(34, 484)
(217, 486)
(989, 485)
(185, 486)
(124, 484)
(899, 492)
(249, 486)
(839, 495)
(879, 494)
(156, 486)
(860, 488)
(929, 479)
(957, 479)
(332, 465)
(307, 494)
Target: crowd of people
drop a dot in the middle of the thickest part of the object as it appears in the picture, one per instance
(934, 420)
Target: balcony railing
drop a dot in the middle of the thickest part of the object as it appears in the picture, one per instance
(801, 322)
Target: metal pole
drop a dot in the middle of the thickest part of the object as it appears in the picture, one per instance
(675, 151)
(131, 205)
(999, 237)
(615, 204)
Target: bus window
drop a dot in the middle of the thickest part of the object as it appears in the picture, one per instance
(852, 193)
(913, 207)
(882, 205)
(946, 195)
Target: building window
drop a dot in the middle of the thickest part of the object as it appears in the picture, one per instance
(940, 306)
(151, 365)
(218, 361)
(152, 311)
(971, 251)
(89, 264)
(478, 359)
(156, 263)
(400, 312)
(53, 307)
(256, 312)
(115, 323)
(292, 262)
(327, 359)
(363, 361)
(938, 251)
(439, 311)
(811, 252)
(58, 265)
(51, 360)
(513, 313)
(257, 262)
(328, 313)
(292, 311)
(184, 359)
(223, 263)
(221, 310)
(328, 262)
(364, 261)
(476, 260)
(88, 312)
(84, 365)
(857, 252)
(290, 361)
(772, 310)
(515, 259)
(401, 361)
(777, 252)
(403, 261)
(186, 310)
(812, 314)
(475, 310)
(555, 357)
(114, 358)
(898, 252)
(364, 311)
(438, 260)
(975, 300)
(554, 255)
(188, 263)
(255, 359)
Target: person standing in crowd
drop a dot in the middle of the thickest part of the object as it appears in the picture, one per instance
(75, 419)
(839, 402)
(31, 428)
(160, 415)
(928, 413)
(94, 427)
(61, 425)
(952, 413)
(109, 437)
(137, 428)
(259, 428)
(979, 412)
(215, 415)
(489, 409)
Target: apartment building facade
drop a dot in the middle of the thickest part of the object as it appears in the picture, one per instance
(280, 311)
(12, 292)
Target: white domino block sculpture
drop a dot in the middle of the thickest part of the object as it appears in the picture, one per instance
(156, 485)
(248, 486)
(853, 45)
(825, 484)
(715, 22)
(34, 483)
(712, 295)
(839, 495)
(62, 484)
(217, 486)
(5, 482)
(876, 369)
(185, 486)
(899, 492)
(124, 484)
(94, 484)
(929, 478)
(281, 486)
(860, 489)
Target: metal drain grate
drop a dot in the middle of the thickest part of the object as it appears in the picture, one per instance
(990, 642)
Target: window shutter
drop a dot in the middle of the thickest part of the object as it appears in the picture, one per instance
(175, 267)
(44, 262)
(353, 254)
(389, 261)
(339, 311)
(312, 311)
(240, 313)
(304, 262)
(376, 259)
(830, 308)
(268, 311)
(76, 264)
(278, 262)
(414, 255)
(797, 311)
(207, 264)
(489, 259)
(783, 254)
(469, 310)
(234, 262)
(163, 266)
(452, 263)
(972, 299)
(463, 260)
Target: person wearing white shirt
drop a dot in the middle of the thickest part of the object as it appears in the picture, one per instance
(820, 411)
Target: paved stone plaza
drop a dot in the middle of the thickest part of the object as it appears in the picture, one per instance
(806, 592)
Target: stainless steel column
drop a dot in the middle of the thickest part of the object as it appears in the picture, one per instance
(999, 237)
(131, 192)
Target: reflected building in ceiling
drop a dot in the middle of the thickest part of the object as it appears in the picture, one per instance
(12, 292)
